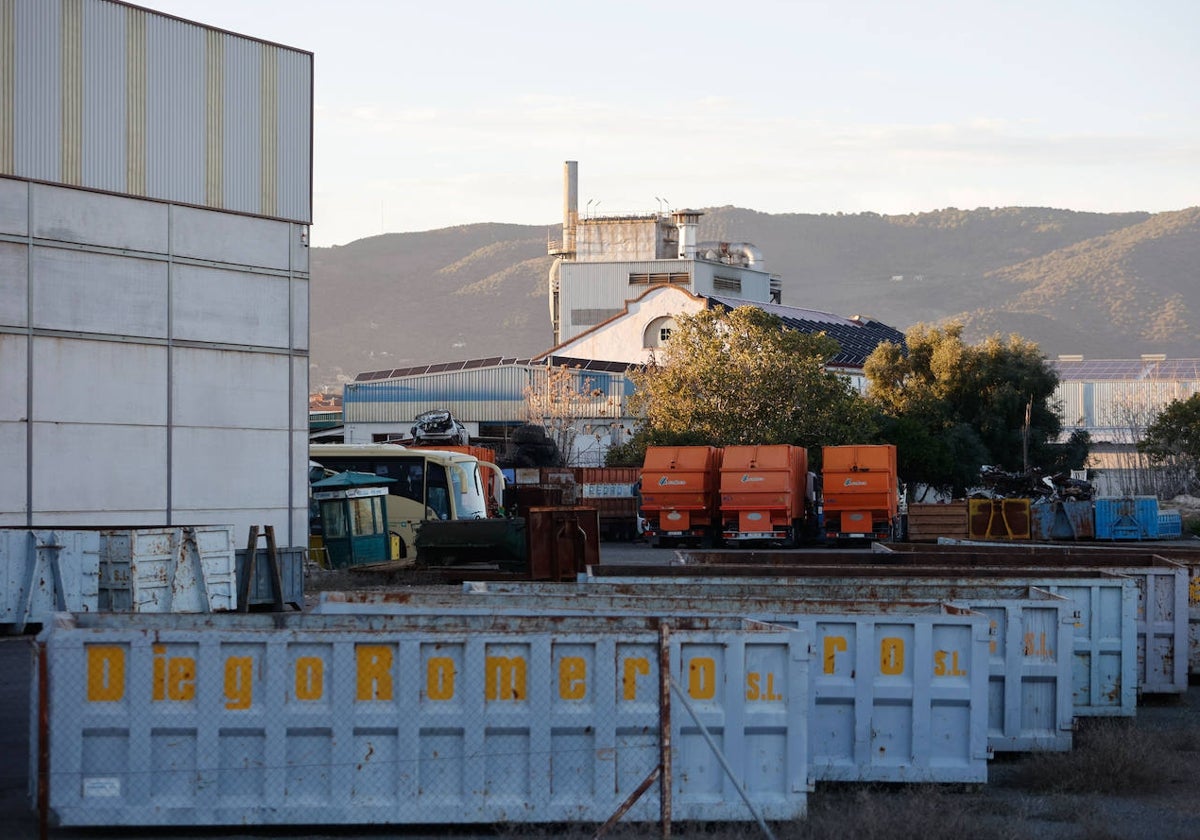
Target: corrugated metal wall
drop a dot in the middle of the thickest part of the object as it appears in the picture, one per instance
(105, 96)
(1104, 407)
(489, 395)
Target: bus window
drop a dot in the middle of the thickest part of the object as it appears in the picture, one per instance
(437, 494)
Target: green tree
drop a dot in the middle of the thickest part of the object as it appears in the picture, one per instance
(953, 407)
(741, 377)
(1172, 441)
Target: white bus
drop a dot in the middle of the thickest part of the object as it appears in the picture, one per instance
(428, 483)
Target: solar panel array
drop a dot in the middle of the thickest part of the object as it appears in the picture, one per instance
(1101, 370)
(493, 361)
(857, 337)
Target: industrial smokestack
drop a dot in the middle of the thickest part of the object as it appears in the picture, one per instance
(570, 204)
(688, 221)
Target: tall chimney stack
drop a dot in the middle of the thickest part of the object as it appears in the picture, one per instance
(688, 221)
(570, 204)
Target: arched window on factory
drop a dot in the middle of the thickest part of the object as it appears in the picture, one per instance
(658, 332)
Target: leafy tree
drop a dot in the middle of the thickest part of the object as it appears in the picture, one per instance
(1172, 440)
(741, 377)
(954, 407)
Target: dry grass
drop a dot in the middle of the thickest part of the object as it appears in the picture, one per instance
(1109, 757)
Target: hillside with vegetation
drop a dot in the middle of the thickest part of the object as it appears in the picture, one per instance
(1107, 285)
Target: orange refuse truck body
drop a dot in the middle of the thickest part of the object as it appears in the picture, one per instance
(861, 492)
(765, 493)
(679, 493)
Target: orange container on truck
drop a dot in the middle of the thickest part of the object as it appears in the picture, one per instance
(766, 493)
(679, 493)
(861, 492)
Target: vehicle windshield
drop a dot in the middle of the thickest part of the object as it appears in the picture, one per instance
(468, 491)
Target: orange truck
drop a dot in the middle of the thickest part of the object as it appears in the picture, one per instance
(861, 492)
(679, 493)
(766, 494)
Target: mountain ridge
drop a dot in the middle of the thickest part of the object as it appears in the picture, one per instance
(1111, 285)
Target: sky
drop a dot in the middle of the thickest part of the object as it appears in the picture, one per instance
(434, 114)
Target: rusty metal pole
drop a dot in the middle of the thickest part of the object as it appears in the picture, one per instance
(43, 743)
(666, 781)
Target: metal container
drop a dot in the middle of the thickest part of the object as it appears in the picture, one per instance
(1030, 662)
(301, 719)
(998, 519)
(1162, 605)
(613, 493)
(172, 569)
(900, 694)
(291, 576)
(1127, 518)
(562, 542)
(44, 571)
(1062, 519)
(1105, 669)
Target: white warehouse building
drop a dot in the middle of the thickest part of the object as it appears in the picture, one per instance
(155, 197)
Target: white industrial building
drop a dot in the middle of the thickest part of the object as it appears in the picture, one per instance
(616, 287)
(155, 197)
(1114, 401)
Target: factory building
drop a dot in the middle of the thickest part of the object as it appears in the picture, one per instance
(616, 286)
(1114, 400)
(603, 262)
(155, 197)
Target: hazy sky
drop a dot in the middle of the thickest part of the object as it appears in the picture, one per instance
(431, 114)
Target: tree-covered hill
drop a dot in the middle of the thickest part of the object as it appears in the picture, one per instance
(1101, 284)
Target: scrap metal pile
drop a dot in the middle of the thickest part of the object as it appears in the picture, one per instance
(1033, 484)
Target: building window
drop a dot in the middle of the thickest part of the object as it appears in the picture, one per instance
(658, 332)
(674, 278)
(591, 317)
(727, 284)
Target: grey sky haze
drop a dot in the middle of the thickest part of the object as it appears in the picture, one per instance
(429, 114)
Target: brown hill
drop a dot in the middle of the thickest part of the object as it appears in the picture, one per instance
(1102, 284)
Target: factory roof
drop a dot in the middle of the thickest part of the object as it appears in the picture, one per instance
(857, 336)
(1148, 369)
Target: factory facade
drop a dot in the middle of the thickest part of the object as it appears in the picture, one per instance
(155, 198)
(615, 288)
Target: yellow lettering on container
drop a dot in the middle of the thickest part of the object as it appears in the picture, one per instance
(833, 646)
(572, 678)
(891, 656)
(633, 667)
(105, 673)
(174, 676)
(239, 682)
(374, 677)
(942, 669)
(755, 689)
(702, 678)
(310, 678)
(439, 678)
(505, 678)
